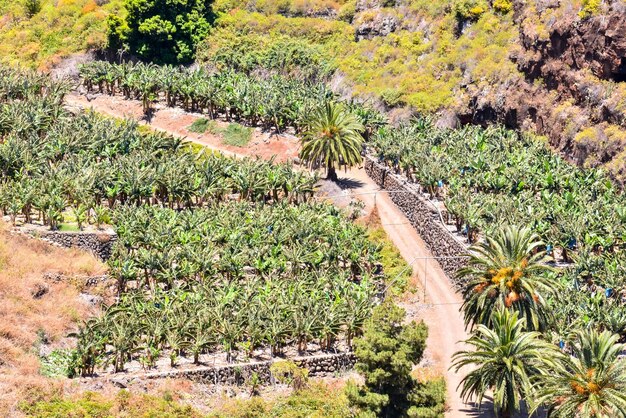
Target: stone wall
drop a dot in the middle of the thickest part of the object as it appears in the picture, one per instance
(98, 243)
(238, 374)
(422, 215)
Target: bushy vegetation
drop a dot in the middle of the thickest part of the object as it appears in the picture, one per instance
(316, 400)
(386, 354)
(281, 54)
(236, 134)
(39, 33)
(95, 405)
(421, 68)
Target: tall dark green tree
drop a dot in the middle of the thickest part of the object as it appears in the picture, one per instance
(163, 31)
(386, 354)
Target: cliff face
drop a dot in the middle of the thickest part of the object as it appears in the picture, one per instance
(573, 83)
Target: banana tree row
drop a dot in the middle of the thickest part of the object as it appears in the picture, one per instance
(271, 102)
(489, 177)
(51, 160)
(594, 296)
(231, 278)
(19, 84)
(236, 319)
(229, 242)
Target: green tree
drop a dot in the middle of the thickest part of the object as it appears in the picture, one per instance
(386, 354)
(589, 384)
(332, 138)
(165, 31)
(506, 359)
(507, 270)
(32, 7)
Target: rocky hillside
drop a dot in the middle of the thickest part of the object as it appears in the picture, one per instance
(572, 83)
(550, 67)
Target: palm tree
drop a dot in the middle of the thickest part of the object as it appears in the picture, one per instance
(507, 361)
(333, 138)
(507, 270)
(589, 384)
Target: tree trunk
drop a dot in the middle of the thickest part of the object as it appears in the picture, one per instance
(331, 173)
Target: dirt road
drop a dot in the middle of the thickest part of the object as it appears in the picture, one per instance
(440, 306)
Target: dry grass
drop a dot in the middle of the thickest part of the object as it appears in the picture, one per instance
(25, 318)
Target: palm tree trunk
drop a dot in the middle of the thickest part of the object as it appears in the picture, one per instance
(331, 173)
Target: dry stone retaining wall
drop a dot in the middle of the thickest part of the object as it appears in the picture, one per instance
(422, 215)
(98, 243)
(238, 374)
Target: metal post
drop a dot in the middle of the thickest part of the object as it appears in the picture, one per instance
(425, 277)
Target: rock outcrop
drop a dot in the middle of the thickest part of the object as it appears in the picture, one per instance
(573, 84)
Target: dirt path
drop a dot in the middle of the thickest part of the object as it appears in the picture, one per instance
(440, 306)
(176, 122)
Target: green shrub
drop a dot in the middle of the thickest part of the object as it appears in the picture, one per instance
(59, 363)
(288, 373)
(428, 399)
(391, 97)
(470, 9)
(590, 7)
(395, 266)
(161, 30)
(317, 401)
(347, 11)
(234, 134)
(90, 405)
(32, 7)
(503, 6)
(386, 354)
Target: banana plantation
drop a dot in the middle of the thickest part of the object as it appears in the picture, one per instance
(270, 102)
(493, 177)
(214, 255)
(56, 164)
(232, 278)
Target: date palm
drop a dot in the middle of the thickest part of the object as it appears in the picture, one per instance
(332, 138)
(507, 360)
(508, 270)
(589, 384)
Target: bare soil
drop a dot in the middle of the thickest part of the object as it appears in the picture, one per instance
(263, 144)
(438, 305)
